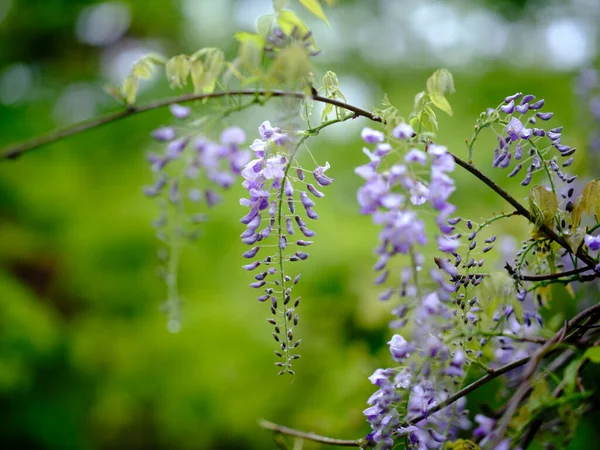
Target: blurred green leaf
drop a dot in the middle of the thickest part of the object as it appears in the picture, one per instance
(593, 354)
(288, 22)
(315, 8)
(178, 70)
(438, 85)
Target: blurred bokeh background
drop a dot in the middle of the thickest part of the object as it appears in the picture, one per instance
(86, 360)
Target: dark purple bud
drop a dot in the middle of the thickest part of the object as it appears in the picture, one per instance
(472, 235)
(499, 159)
(258, 284)
(568, 152)
(568, 162)
(512, 97)
(509, 108)
(527, 98)
(310, 213)
(261, 276)
(386, 295)
(306, 232)
(487, 249)
(249, 217)
(515, 170)
(539, 132)
(306, 201)
(518, 151)
(490, 240)
(251, 253)
(266, 232)
(300, 173)
(553, 136)
(175, 148)
(314, 191)
(505, 162)
(303, 243)
(291, 205)
(251, 239)
(263, 298)
(283, 242)
(454, 220)
(288, 189)
(164, 134)
(212, 198)
(495, 157)
(472, 245)
(525, 133)
(302, 255)
(251, 266)
(297, 278)
(537, 105)
(288, 224)
(523, 108)
(469, 223)
(382, 277)
(544, 116)
(571, 179)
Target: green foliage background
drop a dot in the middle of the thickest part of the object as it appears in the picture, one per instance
(86, 361)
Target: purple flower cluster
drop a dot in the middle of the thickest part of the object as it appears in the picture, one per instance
(189, 172)
(527, 142)
(421, 390)
(389, 196)
(429, 365)
(184, 161)
(278, 193)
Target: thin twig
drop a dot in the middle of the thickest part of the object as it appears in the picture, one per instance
(15, 150)
(524, 211)
(312, 436)
(547, 277)
(570, 326)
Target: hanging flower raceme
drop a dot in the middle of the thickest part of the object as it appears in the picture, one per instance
(527, 142)
(394, 197)
(189, 172)
(279, 198)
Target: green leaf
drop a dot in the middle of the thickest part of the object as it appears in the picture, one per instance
(570, 375)
(315, 7)
(114, 92)
(264, 24)
(288, 21)
(142, 69)
(332, 90)
(178, 70)
(197, 73)
(593, 354)
(543, 206)
(291, 66)
(129, 89)
(251, 51)
(438, 85)
(591, 197)
(208, 71)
